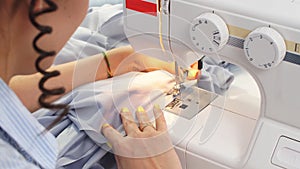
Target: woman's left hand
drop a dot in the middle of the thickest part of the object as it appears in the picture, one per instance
(145, 145)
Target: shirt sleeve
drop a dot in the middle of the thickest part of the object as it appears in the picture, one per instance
(10, 158)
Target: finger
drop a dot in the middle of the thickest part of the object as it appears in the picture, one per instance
(128, 121)
(144, 121)
(160, 121)
(111, 134)
(193, 74)
(194, 65)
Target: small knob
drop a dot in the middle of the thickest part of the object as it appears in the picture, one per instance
(264, 48)
(209, 33)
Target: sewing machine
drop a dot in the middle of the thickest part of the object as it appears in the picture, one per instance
(256, 124)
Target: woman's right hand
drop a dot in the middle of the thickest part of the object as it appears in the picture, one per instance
(144, 145)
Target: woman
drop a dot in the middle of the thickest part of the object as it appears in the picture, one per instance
(24, 144)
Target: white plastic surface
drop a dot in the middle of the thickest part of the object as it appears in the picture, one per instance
(287, 153)
(220, 135)
(265, 143)
(227, 144)
(264, 48)
(243, 96)
(279, 87)
(209, 32)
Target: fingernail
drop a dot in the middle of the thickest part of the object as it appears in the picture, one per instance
(157, 110)
(105, 125)
(140, 109)
(125, 110)
(109, 145)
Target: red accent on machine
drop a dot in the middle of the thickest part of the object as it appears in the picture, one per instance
(142, 6)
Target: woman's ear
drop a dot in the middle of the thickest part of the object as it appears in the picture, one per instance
(39, 5)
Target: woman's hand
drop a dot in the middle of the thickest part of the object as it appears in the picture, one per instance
(144, 145)
(125, 59)
(145, 63)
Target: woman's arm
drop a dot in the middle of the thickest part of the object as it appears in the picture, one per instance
(26, 86)
(128, 60)
(93, 68)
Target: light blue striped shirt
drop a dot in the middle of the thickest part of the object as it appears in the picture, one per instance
(17, 122)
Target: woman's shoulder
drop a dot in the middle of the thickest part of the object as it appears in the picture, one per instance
(25, 130)
(11, 158)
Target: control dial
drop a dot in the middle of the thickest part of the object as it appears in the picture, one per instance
(264, 47)
(209, 33)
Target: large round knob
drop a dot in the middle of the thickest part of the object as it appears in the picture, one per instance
(264, 47)
(209, 33)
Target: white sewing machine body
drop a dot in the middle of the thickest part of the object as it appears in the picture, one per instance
(256, 125)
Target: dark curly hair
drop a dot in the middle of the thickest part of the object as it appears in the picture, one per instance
(43, 54)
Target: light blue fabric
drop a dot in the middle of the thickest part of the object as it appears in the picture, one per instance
(216, 76)
(25, 130)
(81, 144)
(8, 139)
(101, 30)
(12, 159)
